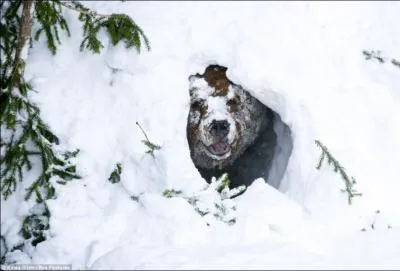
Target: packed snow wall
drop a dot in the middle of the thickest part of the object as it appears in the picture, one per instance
(295, 153)
(294, 156)
(230, 131)
(298, 69)
(302, 60)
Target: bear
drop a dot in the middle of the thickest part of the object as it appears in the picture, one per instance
(228, 130)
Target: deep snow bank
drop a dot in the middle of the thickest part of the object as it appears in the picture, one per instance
(303, 60)
(151, 88)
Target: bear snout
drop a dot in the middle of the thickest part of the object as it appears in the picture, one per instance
(219, 128)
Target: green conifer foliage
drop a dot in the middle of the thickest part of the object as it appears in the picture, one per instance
(48, 14)
(26, 140)
(214, 201)
(372, 54)
(115, 176)
(35, 226)
(338, 168)
(24, 134)
(120, 27)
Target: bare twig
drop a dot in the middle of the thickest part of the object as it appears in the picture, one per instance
(152, 147)
(137, 123)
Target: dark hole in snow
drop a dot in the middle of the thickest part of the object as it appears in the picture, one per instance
(260, 142)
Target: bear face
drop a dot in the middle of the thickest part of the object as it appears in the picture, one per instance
(223, 122)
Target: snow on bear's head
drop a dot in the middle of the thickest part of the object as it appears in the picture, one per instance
(223, 120)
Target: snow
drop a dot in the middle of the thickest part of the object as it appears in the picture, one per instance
(302, 59)
(216, 108)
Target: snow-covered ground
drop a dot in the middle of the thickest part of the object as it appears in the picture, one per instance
(302, 59)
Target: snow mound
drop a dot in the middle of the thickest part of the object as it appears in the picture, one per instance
(301, 59)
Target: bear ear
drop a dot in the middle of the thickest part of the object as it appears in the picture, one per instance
(216, 68)
(193, 77)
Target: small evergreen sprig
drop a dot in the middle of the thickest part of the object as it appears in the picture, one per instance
(349, 181)
(36, 225)
(115, 176)
(377, 55)
(222, 207)
(151, 146)
(373, 55)
(169, 193)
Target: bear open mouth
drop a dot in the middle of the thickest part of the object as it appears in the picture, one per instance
(219, 148)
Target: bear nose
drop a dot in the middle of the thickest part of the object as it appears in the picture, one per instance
(219, 128)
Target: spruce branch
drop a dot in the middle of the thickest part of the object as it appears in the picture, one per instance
(20, 117)
(169, 193)
(17, 155)
(115, 176)
(224, 182)
(373, 55)
(35, 226)
(48, 14)
(24, 135)
(377, 55)
(338, 168)
(151, 146)
(120, 27)
(214, 201)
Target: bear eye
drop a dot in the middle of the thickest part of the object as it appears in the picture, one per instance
(233, 102)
